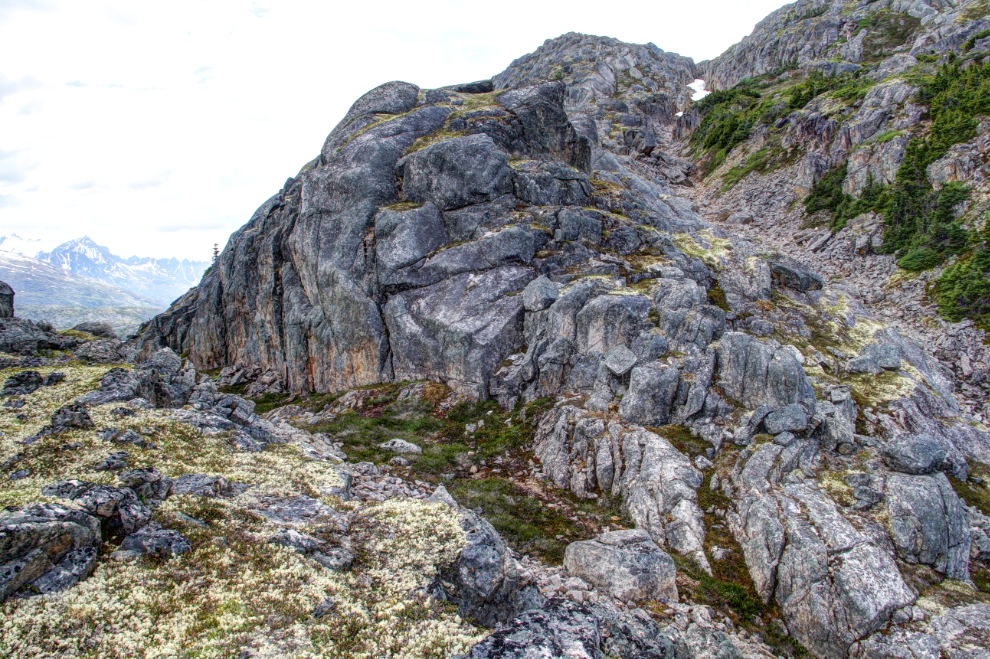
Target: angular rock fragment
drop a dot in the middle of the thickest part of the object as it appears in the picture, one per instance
(626, 564)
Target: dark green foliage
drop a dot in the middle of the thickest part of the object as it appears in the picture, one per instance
(956, 97)
(532, 524)
(886, 30)
(849, 87)
(963, 290)
(827, 195)
(971, 42)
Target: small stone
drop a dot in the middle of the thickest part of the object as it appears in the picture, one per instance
(399, 461)
(325, 606)
(620, 360)
(398, 445)
(539, 294)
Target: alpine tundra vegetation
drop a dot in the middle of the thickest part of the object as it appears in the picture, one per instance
(561, 363)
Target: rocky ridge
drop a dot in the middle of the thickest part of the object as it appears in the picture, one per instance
(810, 470)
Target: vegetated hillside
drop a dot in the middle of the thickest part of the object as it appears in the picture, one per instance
(697, 421)
(47, 292)
(869, 163)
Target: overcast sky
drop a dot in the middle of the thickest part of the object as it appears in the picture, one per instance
(157, 128)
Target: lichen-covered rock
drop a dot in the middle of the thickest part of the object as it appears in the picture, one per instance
(36, 539)
(914, 454)
(22, 383)
(626, 564)
(658, 484)
(456, 172)
(652, 388)
(153, 539)
(486, 582)
(929, 523)
(759, 373)
(118, 506)
(539, 294)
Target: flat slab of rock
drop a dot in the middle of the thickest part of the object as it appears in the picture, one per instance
(620, 360)
(153, 539)
(914, 454)
(626, 564)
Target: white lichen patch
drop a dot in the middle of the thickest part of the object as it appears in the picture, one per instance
(40, 404)
(235, 589)
(714, 252)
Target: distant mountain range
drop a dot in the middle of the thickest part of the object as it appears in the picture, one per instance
(45, 291)
(160, 280)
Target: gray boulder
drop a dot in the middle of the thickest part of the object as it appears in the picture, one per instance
(160, 380)
(562, 629)
(607, 321)
(756, 373)
(102, 330)
(6, 300)
(929, 523)
(547, 130)
(404, 238)
(146, 482)
(76, 565)
(790, 273)
(120, 507)
(23, 383)
(914, 454)
(23, 337)
(620, 360)
(459, 330)
(833, 584)
(652, 388)
(205, 485)
(539, 294)
(71, 416)
(790, 418)
(101, 351)
(400, 446)
(550, 184)
(37, 538)
(876, 358)
(486, 582)
(557, 630)
(626, 564)
(456, 172)
(153, 539)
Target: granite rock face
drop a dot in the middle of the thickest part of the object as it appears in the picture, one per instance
(626, 564)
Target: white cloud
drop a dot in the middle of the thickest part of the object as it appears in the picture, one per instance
(190, 114)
